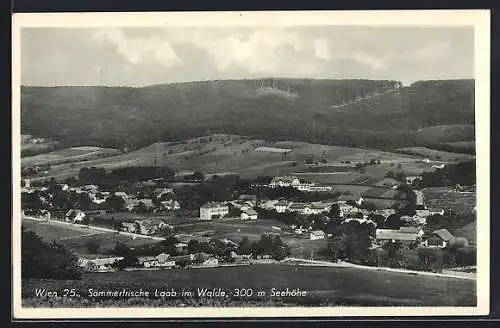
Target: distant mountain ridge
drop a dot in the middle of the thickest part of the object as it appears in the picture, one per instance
(298, 109)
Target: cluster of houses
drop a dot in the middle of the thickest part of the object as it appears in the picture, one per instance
(159, 262)
(148, 226)
(294, 182)
(412, 235)
(164, 196)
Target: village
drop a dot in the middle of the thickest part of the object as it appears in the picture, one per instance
(158, 216)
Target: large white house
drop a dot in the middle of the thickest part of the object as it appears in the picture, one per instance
(213, 209)
(286, 181)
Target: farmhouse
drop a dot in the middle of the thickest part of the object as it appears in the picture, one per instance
(44, 214)
(122, 194)
(159, 192)
(439, 239)
(296, 207)
(268, 204)
(316, 235)
(411, 179)
(285, 181)
(170, 205)
(149, 226)
(362, 221)
(74, 215)
(213, 210)
(248, 214)
(389, 235)
(317, 208)
(99, 265)
(91, 188)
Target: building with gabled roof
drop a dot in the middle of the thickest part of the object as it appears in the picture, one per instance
(213, 209)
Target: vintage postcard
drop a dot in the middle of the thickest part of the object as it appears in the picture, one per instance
(251, 164)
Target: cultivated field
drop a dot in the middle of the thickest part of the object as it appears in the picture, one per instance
(69, 155)
(232, 154)
(106, 241)
(324, 286)
(446, 198)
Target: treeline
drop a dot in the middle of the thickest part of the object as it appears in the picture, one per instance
(99, 176)
(46, 260)
(451, 148)
(463, 173)
(197, 109)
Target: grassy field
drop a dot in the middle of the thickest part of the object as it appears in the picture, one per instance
(107, 242)
(468, 231)
(323, 285)
(229, 154)
(446, 198)
(50, 231)
(236, 229)
(436, 154)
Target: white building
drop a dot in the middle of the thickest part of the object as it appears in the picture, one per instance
(412, 178)
(213, 209)
(75, 216)
(317, 234)
(281, 206)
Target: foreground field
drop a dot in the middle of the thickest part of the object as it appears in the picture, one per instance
(325, 286)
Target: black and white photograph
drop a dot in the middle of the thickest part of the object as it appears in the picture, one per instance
(251, 164)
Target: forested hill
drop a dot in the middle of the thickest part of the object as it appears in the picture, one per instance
(362, 113)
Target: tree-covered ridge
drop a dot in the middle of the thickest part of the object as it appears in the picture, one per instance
(124, 116)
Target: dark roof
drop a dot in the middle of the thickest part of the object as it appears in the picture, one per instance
(347, 197)
(443, 234)
(250, 212)
(248, 197)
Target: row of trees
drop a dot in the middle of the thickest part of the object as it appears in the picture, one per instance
(46, 260)
(463, 173)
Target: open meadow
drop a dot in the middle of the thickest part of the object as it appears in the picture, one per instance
(437, 154)
(323, 285)
(226, 154)
(69, 155)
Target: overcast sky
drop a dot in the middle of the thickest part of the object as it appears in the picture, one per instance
(145, 56)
